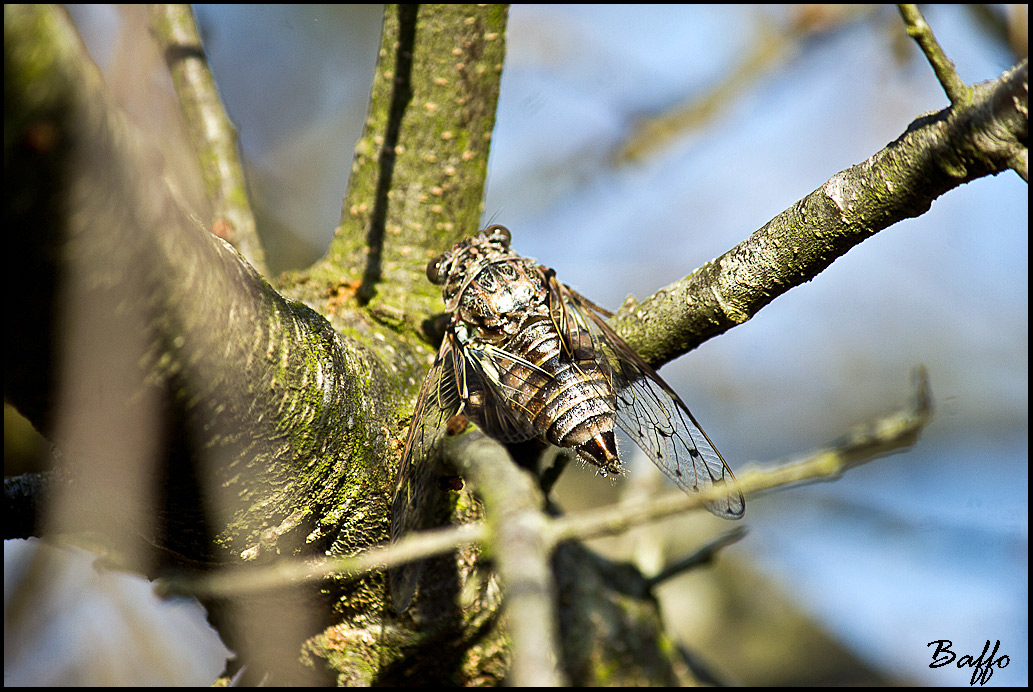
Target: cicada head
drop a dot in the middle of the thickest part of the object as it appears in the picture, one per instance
(467, 257)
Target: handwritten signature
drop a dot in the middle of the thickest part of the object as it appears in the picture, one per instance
(982, 666)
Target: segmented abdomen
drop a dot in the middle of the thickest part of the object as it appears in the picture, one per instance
(568, 398)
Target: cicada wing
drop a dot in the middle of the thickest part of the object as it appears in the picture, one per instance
(462, 379)
(416, 491)
(648, 410)
(497, 381)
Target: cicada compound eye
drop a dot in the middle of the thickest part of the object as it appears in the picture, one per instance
(437, 268)
(499, 234)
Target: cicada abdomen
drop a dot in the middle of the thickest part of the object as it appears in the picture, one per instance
(555, 390)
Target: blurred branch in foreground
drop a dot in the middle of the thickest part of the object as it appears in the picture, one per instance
(890, 434)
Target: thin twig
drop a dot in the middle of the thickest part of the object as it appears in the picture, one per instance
(212, 134)
(239, 580)
(887, 435)
(917, 28)
(520, 544)
(656, 134)
(883, 436)
(704, 555)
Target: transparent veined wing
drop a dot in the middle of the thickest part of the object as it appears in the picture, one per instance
(416, 490)
(648, 410)
(495, 382)
(462, 380)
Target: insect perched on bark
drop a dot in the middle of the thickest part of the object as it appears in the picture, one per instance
(525, 356)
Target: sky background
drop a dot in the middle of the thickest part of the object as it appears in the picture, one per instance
(927, 545)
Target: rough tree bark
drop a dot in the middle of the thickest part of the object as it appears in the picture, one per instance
(210, 417)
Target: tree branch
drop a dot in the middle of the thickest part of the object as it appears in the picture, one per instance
(520, 545)
(262, 384)
(937, 153)
(442, 111)
(212, 134)
(917, 28)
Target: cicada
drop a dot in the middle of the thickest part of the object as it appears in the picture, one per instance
(525, 356)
